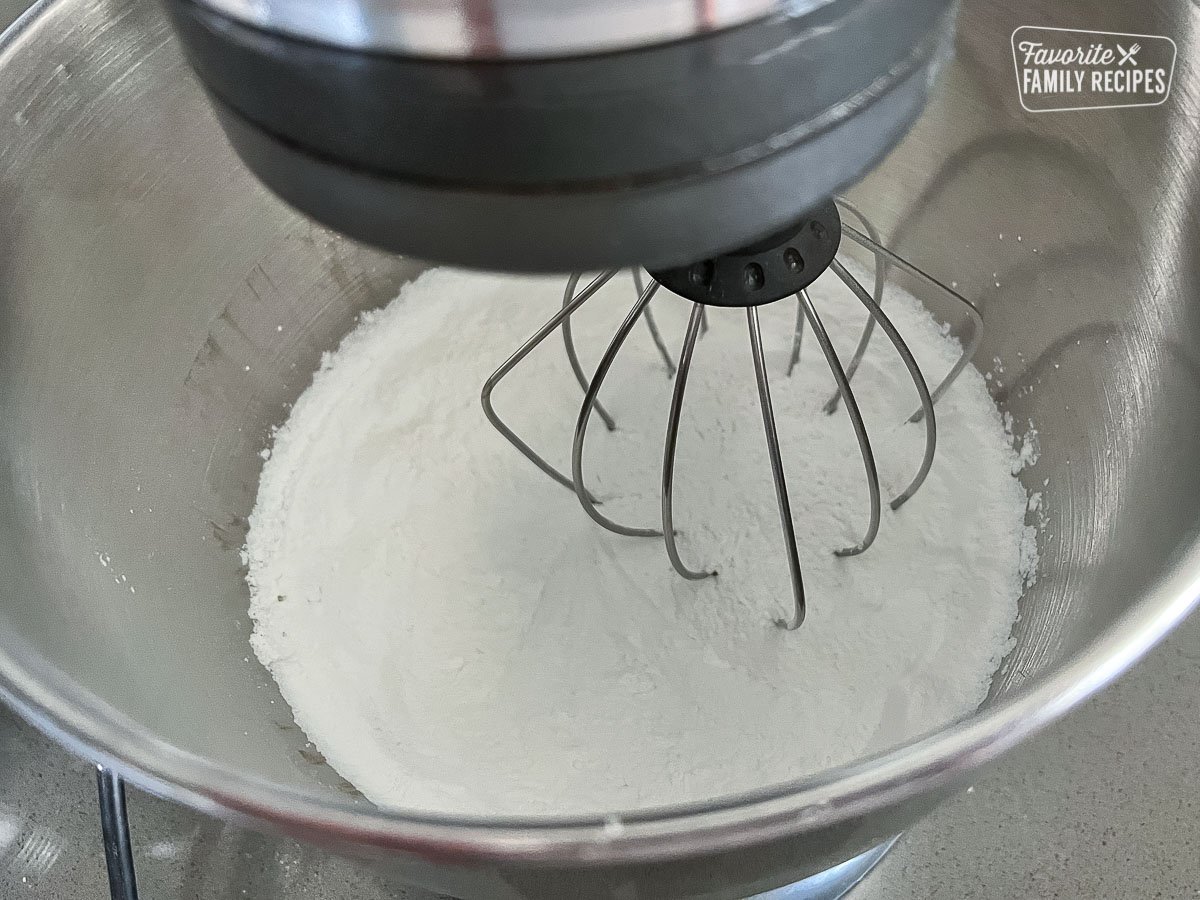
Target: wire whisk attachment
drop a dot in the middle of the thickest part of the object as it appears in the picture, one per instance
(782, 265)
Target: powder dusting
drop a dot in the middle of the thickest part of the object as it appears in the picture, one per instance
(456, 635)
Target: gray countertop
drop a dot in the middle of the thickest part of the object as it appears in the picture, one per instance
(1105, 804)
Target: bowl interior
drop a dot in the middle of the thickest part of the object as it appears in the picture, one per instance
(159, 310)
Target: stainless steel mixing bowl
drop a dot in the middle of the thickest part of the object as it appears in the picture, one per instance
(144, 277)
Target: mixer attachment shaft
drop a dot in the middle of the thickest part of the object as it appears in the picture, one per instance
(781, 265)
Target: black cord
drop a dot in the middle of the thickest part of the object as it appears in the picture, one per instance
(114, 824)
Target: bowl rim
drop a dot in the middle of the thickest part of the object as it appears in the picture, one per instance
(74, 717)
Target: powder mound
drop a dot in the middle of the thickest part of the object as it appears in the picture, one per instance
(457, 636)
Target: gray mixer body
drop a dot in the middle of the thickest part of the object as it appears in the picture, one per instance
(535, 135)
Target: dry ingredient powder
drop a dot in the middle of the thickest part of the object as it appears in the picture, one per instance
(456, 635)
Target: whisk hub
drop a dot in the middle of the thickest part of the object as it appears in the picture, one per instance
(777, 266)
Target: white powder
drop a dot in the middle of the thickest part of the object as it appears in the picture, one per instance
(456, 635)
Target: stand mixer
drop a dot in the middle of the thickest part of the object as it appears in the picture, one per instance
(145, 274)
(700, 140)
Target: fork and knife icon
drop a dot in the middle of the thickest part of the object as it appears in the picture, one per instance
(1128, 56)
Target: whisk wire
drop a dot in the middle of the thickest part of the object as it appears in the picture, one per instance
(777, 475)
(652, 326)
(864, 339)
(523, 351)
(860, 429)
(569, 339)
(695, 320)
(914, 372)
(797, 337)
(904, 265)
(585, 413)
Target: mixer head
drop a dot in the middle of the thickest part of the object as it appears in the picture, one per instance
(543, 135)
(782, 265)
(698, 140)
